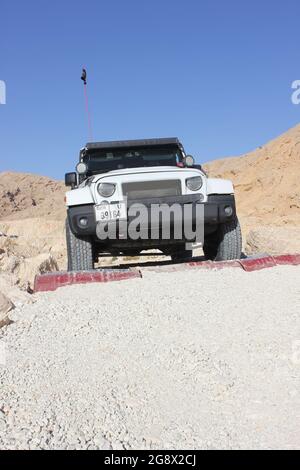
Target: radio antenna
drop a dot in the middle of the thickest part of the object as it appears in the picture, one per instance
(84, 79)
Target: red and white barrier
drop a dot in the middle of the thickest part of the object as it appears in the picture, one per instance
(254, 263)
(51, 281)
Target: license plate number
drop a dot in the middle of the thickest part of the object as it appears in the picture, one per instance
(105, 212)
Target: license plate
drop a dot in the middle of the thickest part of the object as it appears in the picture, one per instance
(105, 212)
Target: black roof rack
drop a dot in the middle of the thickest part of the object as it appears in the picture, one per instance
(132, 143)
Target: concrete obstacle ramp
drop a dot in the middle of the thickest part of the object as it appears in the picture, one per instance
(51, 281)
(251, 263)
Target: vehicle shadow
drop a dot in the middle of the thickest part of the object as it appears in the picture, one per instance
(128, 264)
(147, 263)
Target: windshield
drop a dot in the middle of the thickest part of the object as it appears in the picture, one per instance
(103, 160)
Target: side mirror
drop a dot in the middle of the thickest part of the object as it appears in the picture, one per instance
(71, 179)
(189, 161)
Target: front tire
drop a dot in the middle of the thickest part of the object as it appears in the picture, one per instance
(79, 250)
(225, 243)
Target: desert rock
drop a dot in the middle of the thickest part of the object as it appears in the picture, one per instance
(273, 240)
(28, 268)
(5, 307)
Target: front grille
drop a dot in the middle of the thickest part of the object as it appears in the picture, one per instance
(150, 189)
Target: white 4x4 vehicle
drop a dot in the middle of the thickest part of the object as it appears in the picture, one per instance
(113, 177)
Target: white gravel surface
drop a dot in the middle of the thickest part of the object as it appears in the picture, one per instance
(192, 359)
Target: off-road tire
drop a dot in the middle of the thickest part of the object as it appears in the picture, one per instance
(79, 250)
(225, 243)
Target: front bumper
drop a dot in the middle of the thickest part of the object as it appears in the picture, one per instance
(215, 211)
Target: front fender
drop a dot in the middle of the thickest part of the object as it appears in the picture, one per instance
(79, 196)
(219, 186)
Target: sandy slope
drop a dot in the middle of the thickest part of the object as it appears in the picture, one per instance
(266, 181)
(24, 195)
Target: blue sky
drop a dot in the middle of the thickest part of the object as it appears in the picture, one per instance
(216, 74)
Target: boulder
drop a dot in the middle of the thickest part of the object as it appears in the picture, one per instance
(29, 267)
(21, 239)
(273, 240)
(9, 285)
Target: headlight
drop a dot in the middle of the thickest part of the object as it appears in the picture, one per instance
(106, 189)
(81, 168)
(194, 184)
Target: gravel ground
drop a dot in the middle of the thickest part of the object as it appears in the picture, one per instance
(192, 359)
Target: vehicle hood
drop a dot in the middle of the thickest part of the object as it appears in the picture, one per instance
(145, 170)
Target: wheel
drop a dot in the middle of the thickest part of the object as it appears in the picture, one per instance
(225, 243)
(79, 250)
(181, 254)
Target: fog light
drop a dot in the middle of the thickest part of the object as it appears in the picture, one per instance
(228, 211)
(83, 221)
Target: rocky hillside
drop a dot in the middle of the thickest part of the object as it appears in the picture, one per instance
(266, 181)
(24, 195)
(32, 214)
